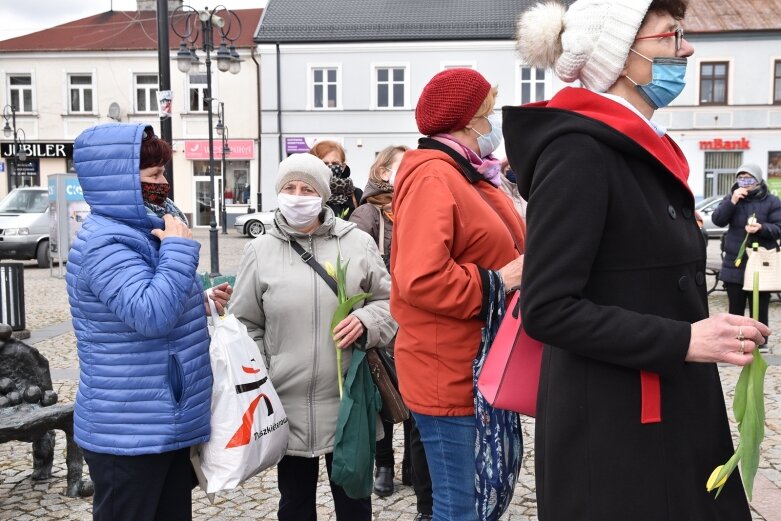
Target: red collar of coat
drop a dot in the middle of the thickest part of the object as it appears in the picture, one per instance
(627, 122)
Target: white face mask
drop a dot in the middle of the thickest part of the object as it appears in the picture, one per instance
(300, 211)
(392, 178)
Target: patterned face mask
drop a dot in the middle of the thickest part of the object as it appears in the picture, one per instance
(155, 193)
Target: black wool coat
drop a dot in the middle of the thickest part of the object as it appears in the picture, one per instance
(767, 209)
(613, 278)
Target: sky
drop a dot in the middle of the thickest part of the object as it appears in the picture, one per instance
(41, 14)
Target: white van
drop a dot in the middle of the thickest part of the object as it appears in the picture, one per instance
(24, 225)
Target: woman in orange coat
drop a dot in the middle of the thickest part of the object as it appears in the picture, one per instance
(452, 225)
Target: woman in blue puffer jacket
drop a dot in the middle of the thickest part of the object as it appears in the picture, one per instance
(137, 303)
(748, 197)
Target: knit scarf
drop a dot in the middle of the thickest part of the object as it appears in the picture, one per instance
(168, 207)
(383, 200)
(489, 167)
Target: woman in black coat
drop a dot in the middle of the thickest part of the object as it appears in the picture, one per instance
(631, 417)
(749, 197)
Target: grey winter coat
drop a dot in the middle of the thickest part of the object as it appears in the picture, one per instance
(767, 208)
(368, 217)
(287, 309)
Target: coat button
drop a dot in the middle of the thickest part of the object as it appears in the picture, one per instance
(699, 278)
(672, 212)
(687, 213)
(683, 283)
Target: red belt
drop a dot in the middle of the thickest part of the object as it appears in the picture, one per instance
(651, 396)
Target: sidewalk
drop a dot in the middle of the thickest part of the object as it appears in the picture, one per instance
(49, 321)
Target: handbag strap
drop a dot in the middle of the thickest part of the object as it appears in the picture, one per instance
(381, 243)
(310, 259)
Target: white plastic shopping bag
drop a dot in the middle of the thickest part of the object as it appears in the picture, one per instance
(249, 429)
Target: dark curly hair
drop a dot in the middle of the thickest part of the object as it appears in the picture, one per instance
(677, 8)
(154, 151)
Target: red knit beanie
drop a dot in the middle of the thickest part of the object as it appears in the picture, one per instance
(449, 100)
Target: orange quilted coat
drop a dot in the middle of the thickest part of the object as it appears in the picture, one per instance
(445, 238)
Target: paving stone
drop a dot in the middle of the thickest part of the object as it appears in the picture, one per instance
(47, 305)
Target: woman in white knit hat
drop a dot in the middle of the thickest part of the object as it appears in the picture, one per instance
(287, 308)
(631, 416)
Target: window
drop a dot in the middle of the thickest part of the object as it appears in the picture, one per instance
(146, 92)
(777, 83)
(713, 83)
(532, 81)
(81, 92)
(391, 87)
(325, 87)
(720, 172)
(197, 87)
(20, 87)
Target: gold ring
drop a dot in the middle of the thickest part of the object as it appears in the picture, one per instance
(740, 333)
(742, 346)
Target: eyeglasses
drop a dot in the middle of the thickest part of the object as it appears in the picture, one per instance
(678, 33)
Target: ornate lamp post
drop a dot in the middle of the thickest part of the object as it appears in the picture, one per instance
(189, 23)
(18, 153)
(222, 131)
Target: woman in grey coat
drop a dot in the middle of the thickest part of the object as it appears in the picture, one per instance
(287, 308)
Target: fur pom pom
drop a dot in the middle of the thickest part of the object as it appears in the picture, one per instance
(539, 34)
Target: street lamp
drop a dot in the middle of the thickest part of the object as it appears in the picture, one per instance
(18, 153)
(188, 24)
(222, 131)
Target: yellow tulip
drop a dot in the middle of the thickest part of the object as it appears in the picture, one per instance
(711, 485)
(329, 268)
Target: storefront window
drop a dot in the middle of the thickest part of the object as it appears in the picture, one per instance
(237, 188)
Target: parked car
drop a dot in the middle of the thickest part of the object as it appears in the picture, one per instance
(706, 207)
(24, 225)
(254, 224)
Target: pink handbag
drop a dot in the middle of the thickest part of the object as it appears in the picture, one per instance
(510, 376)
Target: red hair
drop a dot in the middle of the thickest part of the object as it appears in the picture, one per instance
(322, 148)
(154, 151)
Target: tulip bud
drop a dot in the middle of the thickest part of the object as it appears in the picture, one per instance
(712, 485)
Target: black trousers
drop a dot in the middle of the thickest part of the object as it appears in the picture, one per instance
(737, 301)
(149, 487)
(297, 482)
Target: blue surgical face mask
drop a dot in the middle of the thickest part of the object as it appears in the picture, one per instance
(491, 140)
(667, 81)
(746, 182)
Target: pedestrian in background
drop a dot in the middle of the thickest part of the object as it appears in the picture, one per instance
(145, 380)
(287, 308)
(748, 197)
(452, 224)
(631, 417)
(510, 187)
(344, 196)
(375, 217)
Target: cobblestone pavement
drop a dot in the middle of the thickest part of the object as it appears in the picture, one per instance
(46, 305)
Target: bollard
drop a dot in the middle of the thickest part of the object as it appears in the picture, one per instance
(12, 295)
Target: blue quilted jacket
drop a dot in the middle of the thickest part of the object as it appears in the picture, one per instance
(137, 305)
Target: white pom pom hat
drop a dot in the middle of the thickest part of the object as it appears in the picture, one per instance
(589, 42)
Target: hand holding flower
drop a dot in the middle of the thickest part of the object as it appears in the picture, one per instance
(348, 331)
(752, 221)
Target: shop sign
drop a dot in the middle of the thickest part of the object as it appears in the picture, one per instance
(40, 150)
(302, 144)
(239, 149)
(725, 144)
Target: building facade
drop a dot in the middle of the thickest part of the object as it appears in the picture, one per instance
(333, 71)
(104, 68)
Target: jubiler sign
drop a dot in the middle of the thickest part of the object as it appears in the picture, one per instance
(40, 150)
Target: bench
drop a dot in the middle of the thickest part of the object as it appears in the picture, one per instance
(28, 412)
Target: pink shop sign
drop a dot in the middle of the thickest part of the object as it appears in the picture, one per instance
(239, 149)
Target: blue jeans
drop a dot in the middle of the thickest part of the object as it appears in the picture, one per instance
(449, 442)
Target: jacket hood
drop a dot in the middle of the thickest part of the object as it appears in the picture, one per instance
(372, 189)
(107, 159)
(529, 129)
(330, 226)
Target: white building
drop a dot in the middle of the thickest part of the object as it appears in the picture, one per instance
(67, 78)
(352, 70)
